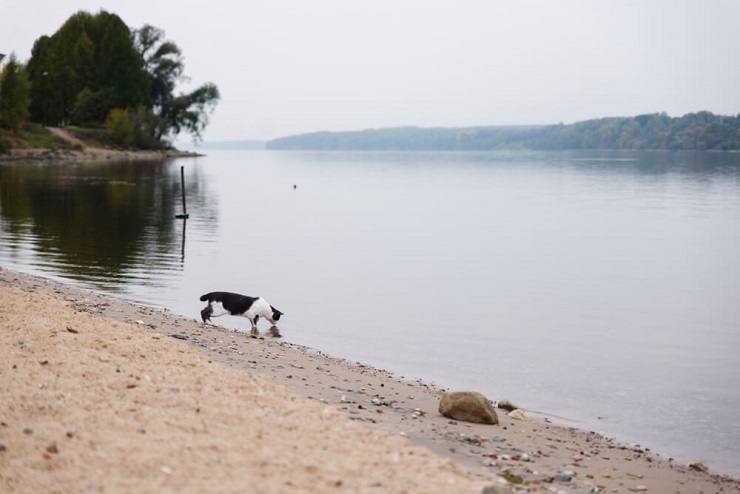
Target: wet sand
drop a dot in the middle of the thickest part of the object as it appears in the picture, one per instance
(99, 394)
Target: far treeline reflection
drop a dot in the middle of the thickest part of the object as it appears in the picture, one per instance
(97, 218)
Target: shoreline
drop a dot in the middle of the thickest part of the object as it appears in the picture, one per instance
(535, 455)
(90, 154)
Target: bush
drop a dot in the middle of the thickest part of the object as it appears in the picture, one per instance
(119, 125)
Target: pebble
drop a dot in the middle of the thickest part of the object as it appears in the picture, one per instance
(519, 414)
(28, 430)
(2, 447)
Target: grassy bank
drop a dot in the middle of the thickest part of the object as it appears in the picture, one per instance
(32, 136)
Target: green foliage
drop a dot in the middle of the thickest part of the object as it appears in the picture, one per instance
(120, 127)
(94, 64)
(701, 131)
(91, 108)
(164, 66)
(15, 96)
(147, 127)
(90, 53)
(190, 112)
(162, 61)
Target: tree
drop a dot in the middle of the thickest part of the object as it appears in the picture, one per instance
(164, 66)
(15, 95)
(90, 53)
(95, 63)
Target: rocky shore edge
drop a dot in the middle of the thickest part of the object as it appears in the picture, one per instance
(522, 453)
(83, 151)
(91, 154)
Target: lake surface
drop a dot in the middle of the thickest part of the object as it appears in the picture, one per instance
(599, 287)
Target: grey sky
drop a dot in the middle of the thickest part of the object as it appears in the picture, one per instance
(293, 66)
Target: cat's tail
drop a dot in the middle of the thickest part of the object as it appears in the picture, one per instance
(205, 297)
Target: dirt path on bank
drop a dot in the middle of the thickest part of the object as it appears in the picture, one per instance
(67, 136)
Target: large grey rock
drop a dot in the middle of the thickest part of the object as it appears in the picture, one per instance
(468, 406)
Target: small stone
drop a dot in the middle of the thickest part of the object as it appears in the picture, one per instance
(519, 414)
(71, 433)
(506, 405)
(699, 467)
(2, 447)
(52, 448)
(468, 406)
(562, 477)
(28, 430)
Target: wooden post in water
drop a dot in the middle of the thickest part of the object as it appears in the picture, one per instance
(184, 214)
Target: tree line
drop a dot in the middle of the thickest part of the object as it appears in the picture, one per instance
(95, 71)
(702, 131)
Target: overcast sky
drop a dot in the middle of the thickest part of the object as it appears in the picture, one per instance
(292, 66)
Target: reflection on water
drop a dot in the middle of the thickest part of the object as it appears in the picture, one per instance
(109, 225)
(274, 332)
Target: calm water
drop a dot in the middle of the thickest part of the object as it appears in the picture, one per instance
(598, 287)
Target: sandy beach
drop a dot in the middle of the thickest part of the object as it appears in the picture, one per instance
(102, 395)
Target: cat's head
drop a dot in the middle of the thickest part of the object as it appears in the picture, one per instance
(275, 315)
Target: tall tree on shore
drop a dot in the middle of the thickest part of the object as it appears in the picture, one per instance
(85, 69)
(164, 66)
(15, 95)
(95, 64)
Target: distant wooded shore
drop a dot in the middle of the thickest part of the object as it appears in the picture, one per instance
(702, 131)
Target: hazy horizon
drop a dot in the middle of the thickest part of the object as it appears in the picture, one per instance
(288, 67)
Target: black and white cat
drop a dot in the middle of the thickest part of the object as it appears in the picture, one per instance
(221, 303)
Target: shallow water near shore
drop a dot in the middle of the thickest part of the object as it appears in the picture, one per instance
(600, 287)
